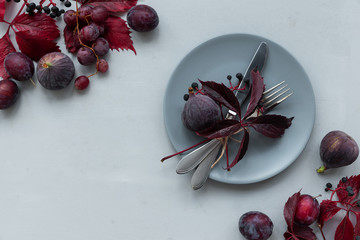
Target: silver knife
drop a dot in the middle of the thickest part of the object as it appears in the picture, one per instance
(198, 156)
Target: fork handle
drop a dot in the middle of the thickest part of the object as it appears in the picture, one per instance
(192, 159)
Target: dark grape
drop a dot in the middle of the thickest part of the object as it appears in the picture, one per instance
(54, 9)
(89, 33)
(82, 82)
(307, 210)
(142, 18)
(99, 14)
(255, 225)
(84, 12)
(19, 66)
(70, 18)
(102, 65)
(86, 56)
(101, 46)
(9, 92)
(101, 28)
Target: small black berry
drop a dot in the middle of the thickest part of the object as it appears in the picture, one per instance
(46, 9)
(8, 0)
(62, 0)
(16, 1)
(186, 97)
(344, 179)
(67, 4)
(239, 76)
(38, 7)
(194, 85)
(329, 185)
(229, 77)
(54, 9)
(53, 15)
(326, 189)
(31, 13)
(62, 11)
(58, 14)
(32, 5)
(28, 9)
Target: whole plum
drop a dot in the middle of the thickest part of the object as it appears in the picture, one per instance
(255, 225)
(19, 66)
(9, 92)
(142, 18)
(200, 112)
(337, 149)
(307, 210)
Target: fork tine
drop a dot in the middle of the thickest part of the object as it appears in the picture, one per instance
(268, 108)
(272, 88)
(272, 94)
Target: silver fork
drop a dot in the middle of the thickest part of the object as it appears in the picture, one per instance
(204, 158)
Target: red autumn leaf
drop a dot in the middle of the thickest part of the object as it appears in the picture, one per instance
(242, 149)
(289, 209)
(257, 90)
(116, 6)
(2, 10)
(6, 47)
(328, 209)
(345, 230)
(222, 128)
(72, 42)
(357, 225)
(272, 126)
(35, 47)
(117, 34)
(40, 26)
(300, 232)
(222, 94)
(342, 193)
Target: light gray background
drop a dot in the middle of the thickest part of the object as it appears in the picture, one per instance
(87, 165)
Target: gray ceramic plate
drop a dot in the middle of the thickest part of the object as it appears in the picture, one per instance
(229, 54)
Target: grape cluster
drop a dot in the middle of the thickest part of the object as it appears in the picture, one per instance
(88, 23)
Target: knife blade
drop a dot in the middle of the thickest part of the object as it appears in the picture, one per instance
(195, 157)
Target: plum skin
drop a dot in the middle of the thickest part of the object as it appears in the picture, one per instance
(142, 18)
(9, 92)
(255, 225)
(307, 210)
(337, 149)
(19, 66)
(200, 112)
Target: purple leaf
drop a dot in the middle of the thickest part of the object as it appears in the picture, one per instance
(257, 90)
(242, 149)
(222, 128)
(272, 126)
(289, 209)
(221, 94)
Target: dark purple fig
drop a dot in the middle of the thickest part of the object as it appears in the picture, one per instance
(9, 92)
(55, 71)
(200, 112)
(19, 66)
(337, 149)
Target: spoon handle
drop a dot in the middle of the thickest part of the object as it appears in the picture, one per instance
(192, 160)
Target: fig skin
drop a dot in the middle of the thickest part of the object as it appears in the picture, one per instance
(200, 112)
(337, 149)
(55, 71)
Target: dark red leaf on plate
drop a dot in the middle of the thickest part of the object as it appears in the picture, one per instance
(33, 46)
(2, 10)
(117, 33)
(115, 6)
(343, 195)
(345, 230)
(242, 149)
(328, 209)
(39, 26)
(6, 47)
(289, 209)
(222, 128)
(357, 225)
(72, 42)
(257, 90)
(221, 94)
(271, 125)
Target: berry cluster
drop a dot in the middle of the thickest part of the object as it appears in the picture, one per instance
(51, 9)
(88, 24)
